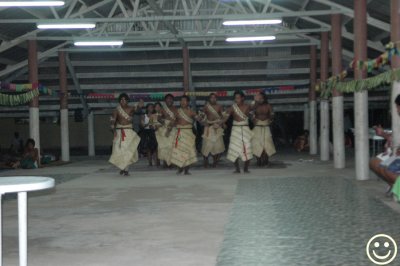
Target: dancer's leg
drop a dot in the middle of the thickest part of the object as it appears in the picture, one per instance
(205, 160)
(187, 170)
(237, 166)
(246, 166)
(149, 158)
(215, 161)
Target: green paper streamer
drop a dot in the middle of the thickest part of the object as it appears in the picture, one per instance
(17, 99)
(360, 85)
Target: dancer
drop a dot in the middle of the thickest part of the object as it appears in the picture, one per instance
(126, 141)
(184, 149)
(148, 136)
(262, 143)
(213, 136)
(167, 131)
(241, 135)
(156, 123)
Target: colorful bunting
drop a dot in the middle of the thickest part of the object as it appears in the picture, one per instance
(11, 87)
(392, 49)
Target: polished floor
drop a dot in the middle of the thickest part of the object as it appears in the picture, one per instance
(304, 221)
(95, 217)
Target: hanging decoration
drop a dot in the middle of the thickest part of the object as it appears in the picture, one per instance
(16, 94)
(363, 84)
(392, 49)
(11, 87)
(13, 99)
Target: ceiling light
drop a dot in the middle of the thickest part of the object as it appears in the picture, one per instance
(67, 26)
(99, 43)
(30, 3)
(252, 22)
(249, 39)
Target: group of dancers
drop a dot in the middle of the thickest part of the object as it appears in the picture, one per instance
(172, 128)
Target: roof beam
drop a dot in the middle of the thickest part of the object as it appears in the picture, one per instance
(9, 44)
(163, 18)
(70, 8)
(120, 63)
(156, 36)
(167, 24)
(303, 7)
(22, 71)
(350, 12)
(223, 46)
(11, 68)
(345, 34)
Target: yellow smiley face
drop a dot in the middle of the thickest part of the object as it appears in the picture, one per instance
(381, 249)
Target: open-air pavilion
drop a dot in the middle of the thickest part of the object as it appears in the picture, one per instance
(328, 68)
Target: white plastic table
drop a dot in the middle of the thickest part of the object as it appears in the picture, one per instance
(21, 185)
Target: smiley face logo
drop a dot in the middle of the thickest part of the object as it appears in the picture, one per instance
(381, 249)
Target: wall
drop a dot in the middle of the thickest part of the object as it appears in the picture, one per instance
(50, 133)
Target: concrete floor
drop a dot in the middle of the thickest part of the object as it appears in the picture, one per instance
(154, 217)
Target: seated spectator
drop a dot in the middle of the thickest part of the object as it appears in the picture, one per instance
(16, 144)
(389, 168)
(30, 158)
(302, 143)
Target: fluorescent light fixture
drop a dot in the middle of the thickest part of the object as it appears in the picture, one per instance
(30, 3)
(251, 22)
(99, 43)
(249, 39)
(67, 26)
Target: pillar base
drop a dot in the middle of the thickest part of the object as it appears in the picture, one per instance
(339, 157)
(324, 135)
(361, 135)
(34, 126)
(91, 142)
(306, 125)
(64, 135)
(313, 128)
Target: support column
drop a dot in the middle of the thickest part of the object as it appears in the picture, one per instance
(324, 106)
(91, 142)
(34, 123)
(306, 124)
(186, 70)
(187, 75)
(395, 37)
(63, 107)
(312, 99)
(337, 100)
(361, 137)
